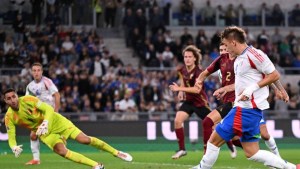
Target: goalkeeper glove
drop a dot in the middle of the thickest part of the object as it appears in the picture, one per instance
(17, 150)
(43, 128)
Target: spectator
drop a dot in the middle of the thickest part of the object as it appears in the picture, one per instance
(19, 29)
(97, 68)
(186, 9)
(98, 9)
(185, 37)
(36, 11)
(129, 24)
(141, 23)
(156, 22)
(295, 16)
(208, 14)
(277, 16)
(276, 38)
(128, 107)
(110, 12)
(230, 16)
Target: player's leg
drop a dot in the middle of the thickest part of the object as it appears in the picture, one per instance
(269, 140)
(181, 116)
(207, 125)
(236, 141)
(101, 145)
(223, 132)
(35, 149)
(214, 118)
(269, 159)
(57, 144)
(212, 152)
(250, 137)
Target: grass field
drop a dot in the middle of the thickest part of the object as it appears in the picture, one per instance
(146, 156)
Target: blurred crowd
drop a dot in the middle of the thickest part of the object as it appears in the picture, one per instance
(92, 78)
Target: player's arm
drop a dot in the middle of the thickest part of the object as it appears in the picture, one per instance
(280, 92)
(220, 93)
(174, 87)
(11, 131)
(56, 96)
(199, 81)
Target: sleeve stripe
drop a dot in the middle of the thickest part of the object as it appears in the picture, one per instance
(251, 63)
(255, 54)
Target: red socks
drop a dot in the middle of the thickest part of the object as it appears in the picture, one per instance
(180, 136)
(207, 125)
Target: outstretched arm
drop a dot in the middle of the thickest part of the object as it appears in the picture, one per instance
(220, 93)
(174, 87)
(200, 79)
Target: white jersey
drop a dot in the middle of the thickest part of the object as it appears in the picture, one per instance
(44, 90)
(250, 67)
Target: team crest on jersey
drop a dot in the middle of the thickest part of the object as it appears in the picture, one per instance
(38, 92)
(191, 76)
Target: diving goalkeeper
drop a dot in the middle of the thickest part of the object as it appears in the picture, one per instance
(52, 128)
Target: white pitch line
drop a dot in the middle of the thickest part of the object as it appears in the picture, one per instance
(162, 164)
(176, 165)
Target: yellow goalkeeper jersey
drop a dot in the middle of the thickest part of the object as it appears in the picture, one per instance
(30, 115)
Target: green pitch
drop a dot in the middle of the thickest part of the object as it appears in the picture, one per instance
(142, 160)
(146, 155)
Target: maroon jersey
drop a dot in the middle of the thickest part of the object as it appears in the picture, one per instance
(227, 70)
(189, 79)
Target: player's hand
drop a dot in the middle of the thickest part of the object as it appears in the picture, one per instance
(198, 85)
(285, 97)
(174, 87)
(17, 150)
(220, 93)
(278, 95)
(247, 93)
(43, 128)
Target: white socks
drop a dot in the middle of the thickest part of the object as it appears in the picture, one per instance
(210, 157)
(271, 144)
(271, 160)
(35, 148)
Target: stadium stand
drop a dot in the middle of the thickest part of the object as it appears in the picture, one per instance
(94, 67)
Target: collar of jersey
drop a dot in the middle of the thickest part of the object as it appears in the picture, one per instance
(245, 50)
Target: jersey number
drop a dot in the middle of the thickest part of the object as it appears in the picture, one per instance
(228, 74)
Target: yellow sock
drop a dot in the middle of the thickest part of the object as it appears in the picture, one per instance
(99, 144)
(79, 158)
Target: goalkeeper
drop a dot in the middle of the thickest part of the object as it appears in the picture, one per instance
(52, 128)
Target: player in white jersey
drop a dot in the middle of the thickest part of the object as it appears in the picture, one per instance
(253, 73)
(43, 88)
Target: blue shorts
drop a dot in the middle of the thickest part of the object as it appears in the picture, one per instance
(241, 122)
(262, 121)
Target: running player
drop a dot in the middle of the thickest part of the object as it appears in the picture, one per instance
(195, 101)
(224, 63)
(52, 128)
(43, 88)
(253, 73)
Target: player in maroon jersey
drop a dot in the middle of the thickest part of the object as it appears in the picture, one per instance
(225, 63)
(195, 100)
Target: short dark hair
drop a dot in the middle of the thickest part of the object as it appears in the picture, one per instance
(196, 52)
(8, 91)
(234, 32)
(37, 64)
